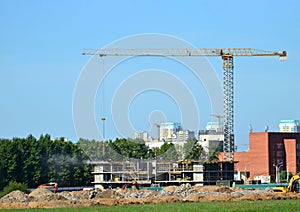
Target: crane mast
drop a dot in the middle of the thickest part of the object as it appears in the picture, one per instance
(227, 55)
(228, 145)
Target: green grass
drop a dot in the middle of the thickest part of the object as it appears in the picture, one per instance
(271, 205)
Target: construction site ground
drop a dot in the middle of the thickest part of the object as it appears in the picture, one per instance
(43, 198)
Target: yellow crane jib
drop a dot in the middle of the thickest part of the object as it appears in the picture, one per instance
(183, 52)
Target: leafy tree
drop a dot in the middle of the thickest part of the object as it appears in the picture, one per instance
(167, 152)
(13, 186)
(34, 161)
(192, 150)
(4, 157)
(131, 148)
(214, 157)
(93, 148)
(188, 146)
(283, 176)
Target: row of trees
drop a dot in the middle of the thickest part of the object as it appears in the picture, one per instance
(35, 161)
(126, 148)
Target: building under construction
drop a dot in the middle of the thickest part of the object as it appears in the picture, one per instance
(161, 173)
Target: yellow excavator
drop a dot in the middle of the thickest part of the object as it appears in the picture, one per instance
(293, 185)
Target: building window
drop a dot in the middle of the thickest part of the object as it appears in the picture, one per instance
(298, 154)
(298, 146)
(279, 146)
(279, 154)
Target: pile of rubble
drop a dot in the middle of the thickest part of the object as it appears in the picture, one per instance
(43, 198)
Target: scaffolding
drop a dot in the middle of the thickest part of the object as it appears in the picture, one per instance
(163, 173)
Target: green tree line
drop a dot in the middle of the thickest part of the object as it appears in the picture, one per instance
(36, 161)
(120, 149)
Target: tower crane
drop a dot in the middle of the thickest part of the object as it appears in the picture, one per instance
(219, 121)
(226, 54)
(158, 131)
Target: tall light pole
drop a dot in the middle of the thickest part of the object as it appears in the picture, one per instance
(103, 131)
(103, 127)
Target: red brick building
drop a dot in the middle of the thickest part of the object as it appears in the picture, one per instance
(267, 149)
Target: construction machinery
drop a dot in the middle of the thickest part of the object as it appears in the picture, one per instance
(50, 186)
(293, 185)
(133, 185)
(226, 54)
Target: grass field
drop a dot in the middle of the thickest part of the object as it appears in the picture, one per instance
(271, 205)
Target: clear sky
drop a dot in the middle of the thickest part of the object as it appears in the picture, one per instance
(40, 59)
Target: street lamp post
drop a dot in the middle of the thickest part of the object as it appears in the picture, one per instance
(277, 177)
(103, 131)
(103, 127)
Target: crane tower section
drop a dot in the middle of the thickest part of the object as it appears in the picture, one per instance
(228, 99)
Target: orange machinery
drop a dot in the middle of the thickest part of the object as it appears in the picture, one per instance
(49, 185)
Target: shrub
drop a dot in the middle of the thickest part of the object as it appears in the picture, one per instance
(13, 186)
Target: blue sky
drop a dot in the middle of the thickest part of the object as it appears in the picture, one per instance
(41, 61)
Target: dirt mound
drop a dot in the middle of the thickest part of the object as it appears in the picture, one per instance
(15, 205)
(75, 195)
(206, 188)
(210, 198)
(224, 190)
(105, 201)
(197, 198)
(170, 188)
(14, 196)
(97, 193)
(42, 194)
(221, 197)
(252, 197)
(43, 198)
(165, 199)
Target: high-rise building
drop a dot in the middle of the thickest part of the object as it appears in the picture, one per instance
(183, 135)
(141, 135)
(291, 126)
(168, 130)
(211, 139)
(214, 127)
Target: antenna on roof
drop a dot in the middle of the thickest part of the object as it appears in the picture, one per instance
(266, 128)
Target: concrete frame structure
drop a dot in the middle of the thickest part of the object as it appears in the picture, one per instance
(154, 172)
(146, 172)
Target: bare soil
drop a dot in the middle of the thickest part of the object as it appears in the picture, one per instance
(43, 198)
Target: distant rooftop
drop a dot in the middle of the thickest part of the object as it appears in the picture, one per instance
(297, 122)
